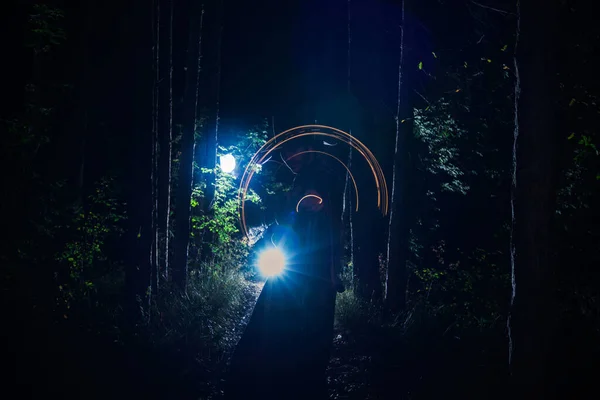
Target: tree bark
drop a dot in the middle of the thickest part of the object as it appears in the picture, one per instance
(166, 145)
(347, 208)
(155, 143)
(531, 321)
(396, 274)
(211, 141)
(189, 125)
(140, 179)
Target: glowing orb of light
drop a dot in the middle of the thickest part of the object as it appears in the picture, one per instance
(271, 262)
(227, 163)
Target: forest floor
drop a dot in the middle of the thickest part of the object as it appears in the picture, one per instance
(368, 360)
(350, 362)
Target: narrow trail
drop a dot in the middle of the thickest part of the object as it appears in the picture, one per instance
(347, 376)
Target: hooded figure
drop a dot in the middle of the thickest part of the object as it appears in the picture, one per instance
(285, 348)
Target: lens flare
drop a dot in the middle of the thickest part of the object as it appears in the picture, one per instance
(271, 262)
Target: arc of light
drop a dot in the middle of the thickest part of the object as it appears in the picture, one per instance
(369, 160)
(382, 191)
(369, 157)
(338, 160)
(244, 188)
(372, 161)
(308, 195)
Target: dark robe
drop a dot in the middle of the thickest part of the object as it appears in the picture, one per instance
(285, 348)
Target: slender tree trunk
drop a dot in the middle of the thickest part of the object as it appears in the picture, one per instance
(155, 143)
(531, 322)
(138, 282)
(85, 103)
(395, 282)
(211, 143)
(351, 208)
(166, 144)
(189, 123)
(215, 138)
(347, 208)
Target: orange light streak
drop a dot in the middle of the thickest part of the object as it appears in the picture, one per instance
(316, 130)
(338, 160)
(308, 195)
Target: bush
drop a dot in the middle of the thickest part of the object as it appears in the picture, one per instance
(200, 318)
(353, 313)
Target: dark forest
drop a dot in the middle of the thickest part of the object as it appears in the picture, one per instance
(300, 199)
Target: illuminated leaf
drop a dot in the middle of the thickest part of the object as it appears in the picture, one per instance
(571, 136)
(489, 61)
(465, 64)
(420, 64)
(457, 90)
(505, 67)
(504, 48)
(434, 55)
(571, 102)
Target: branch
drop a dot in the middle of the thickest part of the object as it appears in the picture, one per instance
(490, 8)
(423, 97)
(286, 164)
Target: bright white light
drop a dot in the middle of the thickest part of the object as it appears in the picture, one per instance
(271, 262)
(227, 163)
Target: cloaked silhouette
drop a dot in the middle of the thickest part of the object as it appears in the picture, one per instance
(284, 351)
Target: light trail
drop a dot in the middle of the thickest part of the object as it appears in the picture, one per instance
(338, 160)
(308, 195)
(313, 130)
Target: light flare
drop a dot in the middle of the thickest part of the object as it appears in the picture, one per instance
(271, 262)
(227, 163)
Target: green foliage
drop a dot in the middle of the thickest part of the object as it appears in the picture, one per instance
(440, 132)
(221, 218)
(45, 28)
(203, 317)
(353, 313)
(458, 268)
(93, 224)
(467, 288)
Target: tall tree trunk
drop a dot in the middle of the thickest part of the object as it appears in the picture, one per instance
(189, 124)
(347, 208)
(210, 141)
(531, 321)
(85, 102)
(396, 274)
(215, 138)
(155, 143)
(166, 144)
(140, 181)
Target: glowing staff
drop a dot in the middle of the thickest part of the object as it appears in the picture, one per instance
(338, 160)
(313, 130)
(308, 195)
